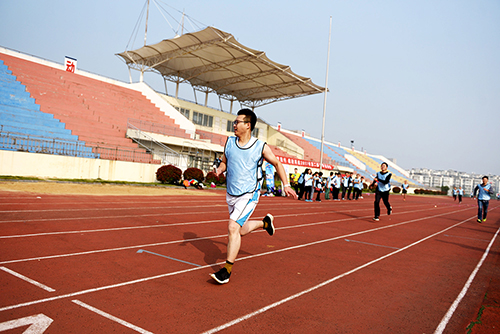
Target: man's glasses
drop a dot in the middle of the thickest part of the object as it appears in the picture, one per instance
(235, 123)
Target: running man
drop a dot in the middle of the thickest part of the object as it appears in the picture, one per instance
(483, 199)
(242, 160)
(383, 187)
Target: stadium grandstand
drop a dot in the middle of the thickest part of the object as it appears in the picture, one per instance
(61, 122)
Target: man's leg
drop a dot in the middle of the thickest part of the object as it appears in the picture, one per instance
(479, 210)
(376, 205)
(234, 240)
(385, 198)
(485, 209)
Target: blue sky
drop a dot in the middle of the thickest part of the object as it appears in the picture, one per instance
(418, 81)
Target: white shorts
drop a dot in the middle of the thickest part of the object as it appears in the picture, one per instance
(241, 207)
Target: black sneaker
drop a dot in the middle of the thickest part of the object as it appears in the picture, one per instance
(222, 276)
(479, 221)
(269, 220)
(389, 211)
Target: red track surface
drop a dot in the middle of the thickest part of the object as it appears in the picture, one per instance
(328, 269)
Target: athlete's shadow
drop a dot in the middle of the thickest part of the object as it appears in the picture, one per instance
(209, 247)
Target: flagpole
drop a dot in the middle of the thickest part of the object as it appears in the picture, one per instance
(324, 102)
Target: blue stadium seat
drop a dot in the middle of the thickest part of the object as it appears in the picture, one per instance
(23, 127)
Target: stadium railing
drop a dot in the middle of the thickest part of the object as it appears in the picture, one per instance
(37, 144)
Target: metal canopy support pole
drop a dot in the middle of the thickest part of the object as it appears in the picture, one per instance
(324, 102)
(146, 30)
(231, 108)
(206, 98)
(177, 89)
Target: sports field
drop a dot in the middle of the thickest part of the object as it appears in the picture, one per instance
(113, 263)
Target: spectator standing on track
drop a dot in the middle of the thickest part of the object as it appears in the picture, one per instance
(460, 194)
(308, 185)
(345, 184)
(319, 186)
(405, 187)
(454, 193)
(382, 179)
(300, 183)
(315, 178)
(294, 180)
(358, 186)
(337, 181)
(328, 186)
(349, 190)
(242, 160)
(483, 191)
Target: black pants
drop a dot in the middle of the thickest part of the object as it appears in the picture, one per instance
(349, 192)
(335, 193)
(357, 193)
(301, 191)
(385, 197)
(308, 192)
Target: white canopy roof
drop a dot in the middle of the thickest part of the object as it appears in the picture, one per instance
(212, 60)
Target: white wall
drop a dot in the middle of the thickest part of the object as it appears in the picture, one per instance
(63, 167)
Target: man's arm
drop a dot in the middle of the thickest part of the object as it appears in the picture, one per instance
(271, 158)
(222, 166)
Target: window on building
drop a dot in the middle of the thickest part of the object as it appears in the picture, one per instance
(185, 112)
(202, 119)
(255, 132)
(229, 127)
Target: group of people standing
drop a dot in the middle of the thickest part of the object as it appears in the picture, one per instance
(308, 183)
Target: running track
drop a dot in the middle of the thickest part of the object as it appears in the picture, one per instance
(125, 264)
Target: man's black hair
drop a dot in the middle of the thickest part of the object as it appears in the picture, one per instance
(249, 117)
(485, 177)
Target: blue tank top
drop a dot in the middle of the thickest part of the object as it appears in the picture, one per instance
(244, 166)
(383, 187)
(484, 194)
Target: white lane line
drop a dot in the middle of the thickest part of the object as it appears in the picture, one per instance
(203, 238)
(140, 280)
(177, 224)
(111, 317)
(109, 229)
(110, 209)
(171, 214)
(285, 300)
(461, 295)
(222, 204)
(460, 237)
(27, 279)
(370, 244)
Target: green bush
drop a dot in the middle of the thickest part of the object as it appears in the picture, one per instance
(194, 173)
(212, 177)
(396, 190)
(168, 174)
